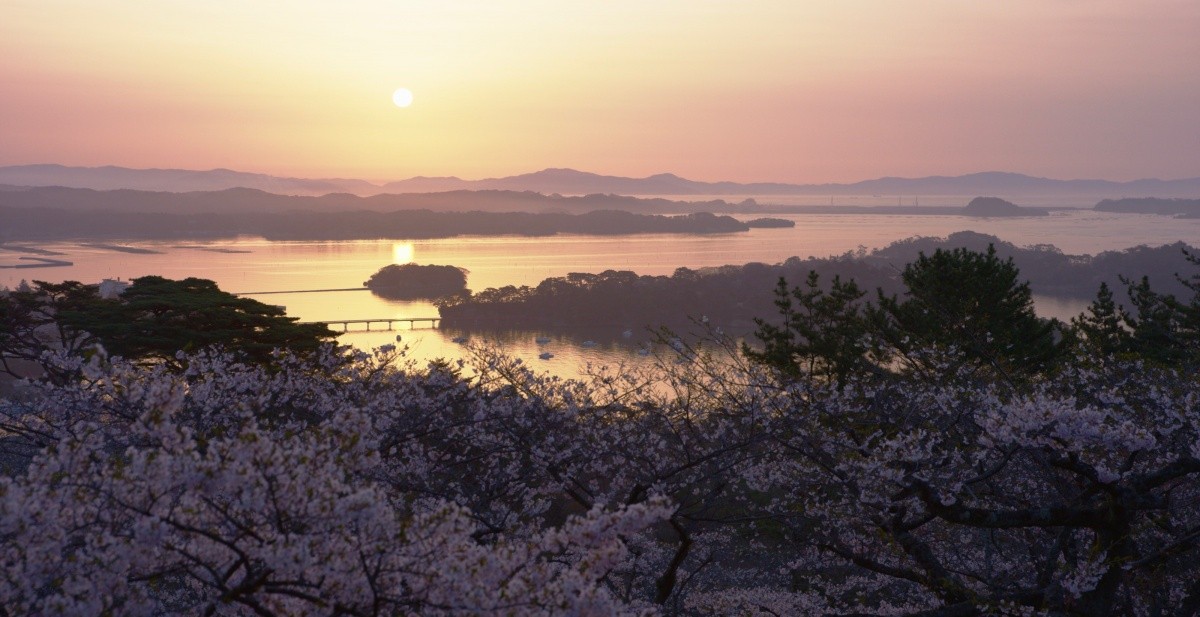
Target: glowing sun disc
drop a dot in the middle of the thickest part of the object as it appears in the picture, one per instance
(402, 97)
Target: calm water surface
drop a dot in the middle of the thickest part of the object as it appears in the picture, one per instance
(254, 265)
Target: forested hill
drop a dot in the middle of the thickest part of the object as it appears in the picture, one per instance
(253, 201)
(31, 224)
(731, 296)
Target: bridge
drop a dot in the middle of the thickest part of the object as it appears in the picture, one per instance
(388, 321)
(297, 291)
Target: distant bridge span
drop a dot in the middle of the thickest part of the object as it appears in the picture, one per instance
(388, 321)
(297, 291)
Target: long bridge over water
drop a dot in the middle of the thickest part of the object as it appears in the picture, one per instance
(389, 322)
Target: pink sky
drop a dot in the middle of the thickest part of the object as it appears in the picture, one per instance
(780, 90)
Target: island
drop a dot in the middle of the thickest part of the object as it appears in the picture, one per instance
(411, 282)
(732, 296)
(768, 222)
(994, 206)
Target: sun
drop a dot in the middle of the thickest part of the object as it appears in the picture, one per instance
(402, 97)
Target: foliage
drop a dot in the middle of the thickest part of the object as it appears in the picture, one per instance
(1104, 325)
(145, 501)
(966, 304)
(156, 317)
(823, 335)
(1164, 329)
(707, 487)
(731, 296)
(616, 300)
(973, 303)
(30, 327)
(1189, 313)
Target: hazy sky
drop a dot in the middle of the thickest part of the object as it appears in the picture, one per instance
(787, 90)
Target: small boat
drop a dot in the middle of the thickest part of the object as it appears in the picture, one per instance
(545, 355)
(589, 344)
(542, 340)
(459, 339)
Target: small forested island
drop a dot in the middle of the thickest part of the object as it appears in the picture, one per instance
(412, 281)
(769, 222)
(994, 206)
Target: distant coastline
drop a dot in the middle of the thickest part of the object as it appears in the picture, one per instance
(59, 213)
(730, 297)
(120, 248)
(27, 224)
(1186, 208)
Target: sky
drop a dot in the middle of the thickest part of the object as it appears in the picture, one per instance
(750, 90)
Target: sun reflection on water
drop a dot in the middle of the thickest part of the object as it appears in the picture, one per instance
(402, 252)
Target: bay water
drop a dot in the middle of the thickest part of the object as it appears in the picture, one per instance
(252, 265)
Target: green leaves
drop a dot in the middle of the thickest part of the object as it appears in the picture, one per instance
(1103, 325)
(970, 305)
(975, 303)
(158, 317)
(823, 334)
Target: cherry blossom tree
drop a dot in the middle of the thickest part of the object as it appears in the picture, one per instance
(235, 490)
(707, 485)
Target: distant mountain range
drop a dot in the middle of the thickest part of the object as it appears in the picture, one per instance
(573, 182)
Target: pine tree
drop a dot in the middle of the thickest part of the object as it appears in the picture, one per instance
(1189, 314)
(1104, 326)
(974, 303)
(157, 317)
(822, 335)
(1155, 324)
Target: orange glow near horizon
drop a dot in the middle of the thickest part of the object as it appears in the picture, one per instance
(766, 90)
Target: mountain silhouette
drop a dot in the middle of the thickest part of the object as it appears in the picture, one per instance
(574, 182)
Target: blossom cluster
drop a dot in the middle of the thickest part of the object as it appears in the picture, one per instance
(364, 485)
